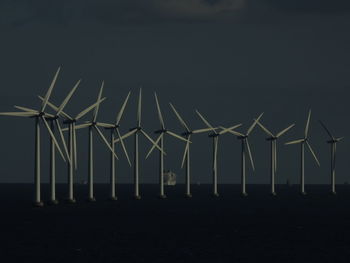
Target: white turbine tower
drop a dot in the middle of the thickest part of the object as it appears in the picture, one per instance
(302, 143)
(136, 131)
(160, 142)
(72, 142)
(39, 115)
(245, 147)
(114, 129)
(273, 140)
(215, 135)
(333, 143)
(93, 125)
(186, 156)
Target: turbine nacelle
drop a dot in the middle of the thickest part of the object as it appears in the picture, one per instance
(274, 138)
(161, 131)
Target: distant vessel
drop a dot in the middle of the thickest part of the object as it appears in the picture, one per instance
(169, 178)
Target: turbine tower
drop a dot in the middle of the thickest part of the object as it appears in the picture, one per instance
(136, 131)
(333, 143)
(114, 129)
(302, 143)
(38, 115)
(215, 136)
(273, 140)
(72, 142)
(160, 142)
(93, 125)
(186, 156)
(245, 147)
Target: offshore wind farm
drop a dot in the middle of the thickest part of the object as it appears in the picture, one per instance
(59, 117)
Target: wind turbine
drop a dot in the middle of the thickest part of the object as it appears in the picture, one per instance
(39, 115)
(160, 142)
(273, 140)
(215, 136)
(54, 121)
(187, 134)
(245, 147)
(114, 129)
(302, 143)
(333, 143)
(94, 125)
(136, 131)
(72, 141)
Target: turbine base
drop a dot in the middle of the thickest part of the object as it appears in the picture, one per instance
(137, 197)
(333, 193)
(91, 199)
(273, 194)
(70, 201)
(38, 204)
(216, 195)
(162, 197)
(188, 195)
(53, 202)
(303, 193)
(113, 198)
(244, 194)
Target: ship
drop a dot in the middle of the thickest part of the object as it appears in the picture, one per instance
(169, 178)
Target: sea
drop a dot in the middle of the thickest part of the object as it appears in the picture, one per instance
(285, 228)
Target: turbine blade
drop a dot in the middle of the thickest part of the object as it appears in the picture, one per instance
(26, 109)
(225, 130)
(294, 142)
(105, 125)
(48, 93)
(66, 100)
(153, 146)
(123, 146)
(120, 114)
(81, 126)
(186, 151)
(105, 141)
(88, 109)
(285, 130)
(265, 129)
(307, 124)
(160, 116)
(63, 140)
(234, 132)
(98, 105)
(176, 136)
(205, 121)
(328, 132)
(128, 134)
(150, 139)
(18, 114)
(179, 118)
(202, 130)
(313, 153)
(53, 137)
(250, 154)
(254, 123)
(139, 111)
(340, 138)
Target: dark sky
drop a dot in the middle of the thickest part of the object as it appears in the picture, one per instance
(230, 59)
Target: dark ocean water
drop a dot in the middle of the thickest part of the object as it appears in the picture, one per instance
(258, 228)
